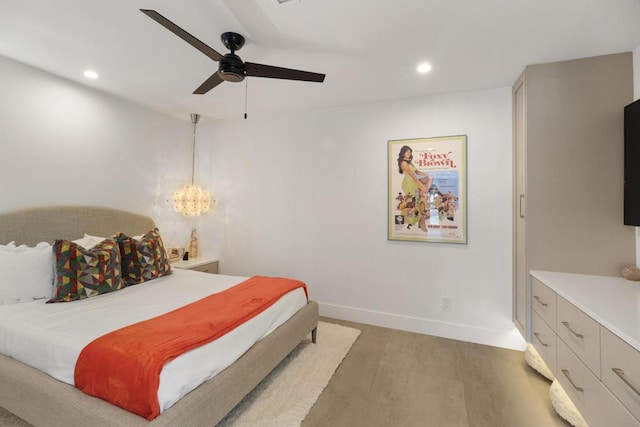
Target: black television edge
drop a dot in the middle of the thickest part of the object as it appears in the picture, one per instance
(632, 164)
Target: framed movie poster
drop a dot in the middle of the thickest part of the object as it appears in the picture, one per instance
(427, 189)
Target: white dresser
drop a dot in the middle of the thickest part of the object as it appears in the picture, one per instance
(587, 329)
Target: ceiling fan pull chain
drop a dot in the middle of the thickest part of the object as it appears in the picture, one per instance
(246, 91)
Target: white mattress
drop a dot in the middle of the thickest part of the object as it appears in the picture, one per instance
(50, 337)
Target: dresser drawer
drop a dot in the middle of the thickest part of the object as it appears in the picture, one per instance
(609, 412)
(580, 332)
(625, 360)
(543, 301)
(544, 341)
(578, 382)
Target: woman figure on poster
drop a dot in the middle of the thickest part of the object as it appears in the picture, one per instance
(415, 184)
(414, 180)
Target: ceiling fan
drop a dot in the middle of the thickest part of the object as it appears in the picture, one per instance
(231, 68)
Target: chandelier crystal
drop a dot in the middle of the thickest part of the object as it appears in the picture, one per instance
(191, 200)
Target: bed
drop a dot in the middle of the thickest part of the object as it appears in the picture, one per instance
(44, 401)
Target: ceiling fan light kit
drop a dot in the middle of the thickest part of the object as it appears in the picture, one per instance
(231, 68)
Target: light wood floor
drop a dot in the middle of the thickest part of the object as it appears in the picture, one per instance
(396, 378)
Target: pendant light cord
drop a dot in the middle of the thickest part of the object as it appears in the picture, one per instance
(194, 119)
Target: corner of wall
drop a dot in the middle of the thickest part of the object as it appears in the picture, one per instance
(636, 73)
(636, 95)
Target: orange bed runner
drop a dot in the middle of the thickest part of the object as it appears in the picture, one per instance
(123, 367)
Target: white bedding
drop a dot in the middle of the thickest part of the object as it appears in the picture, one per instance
(50, 337)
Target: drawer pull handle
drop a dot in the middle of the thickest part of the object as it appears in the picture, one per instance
(544, 304)
(566, 374)
(566, 324)
(619, 372)
(541, 342)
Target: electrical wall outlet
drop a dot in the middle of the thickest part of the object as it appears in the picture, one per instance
(447, 304)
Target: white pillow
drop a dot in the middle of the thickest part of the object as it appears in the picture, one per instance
(88, 241)
(26, 273)
(100, 239)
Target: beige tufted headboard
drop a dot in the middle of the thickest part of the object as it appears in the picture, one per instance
(33, 225)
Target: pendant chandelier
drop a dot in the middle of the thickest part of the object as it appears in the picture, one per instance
(192, 200)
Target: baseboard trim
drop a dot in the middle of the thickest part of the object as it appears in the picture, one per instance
(505, 339)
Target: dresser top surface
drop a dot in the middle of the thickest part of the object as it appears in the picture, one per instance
(614, 302)
(194, 262)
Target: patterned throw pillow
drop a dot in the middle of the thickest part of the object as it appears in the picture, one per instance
(143, 259)
(83, 273)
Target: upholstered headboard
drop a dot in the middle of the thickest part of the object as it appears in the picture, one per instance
(30, 226)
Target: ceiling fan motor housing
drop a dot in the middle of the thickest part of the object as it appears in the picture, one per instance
(231, 68)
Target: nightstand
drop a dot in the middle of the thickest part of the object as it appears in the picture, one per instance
(204, 264)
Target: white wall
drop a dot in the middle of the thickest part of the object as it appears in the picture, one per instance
(301, 194)
(64, 143)
(304, 194)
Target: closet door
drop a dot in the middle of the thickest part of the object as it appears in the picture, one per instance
(520, 276)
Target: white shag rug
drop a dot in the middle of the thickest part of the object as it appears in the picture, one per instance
(559, 398)
(286, 395)
(564, 406)
(534, 360)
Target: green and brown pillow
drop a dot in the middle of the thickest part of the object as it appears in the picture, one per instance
(143, 258)
(83, 273)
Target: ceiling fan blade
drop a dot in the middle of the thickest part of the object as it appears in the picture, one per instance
(271, 72)
(192, 40)
(208, 84)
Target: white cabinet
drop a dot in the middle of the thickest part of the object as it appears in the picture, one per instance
(568, 196)
(520, 276)
(578, 382)
(581, 334)
(621, 370)
(543, 323)
(586, 329)
(545, 341)
(544, 302)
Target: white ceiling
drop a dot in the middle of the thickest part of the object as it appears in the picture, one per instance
(368, 48)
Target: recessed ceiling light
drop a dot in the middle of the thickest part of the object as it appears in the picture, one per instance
(424, 68)
(90, 74)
